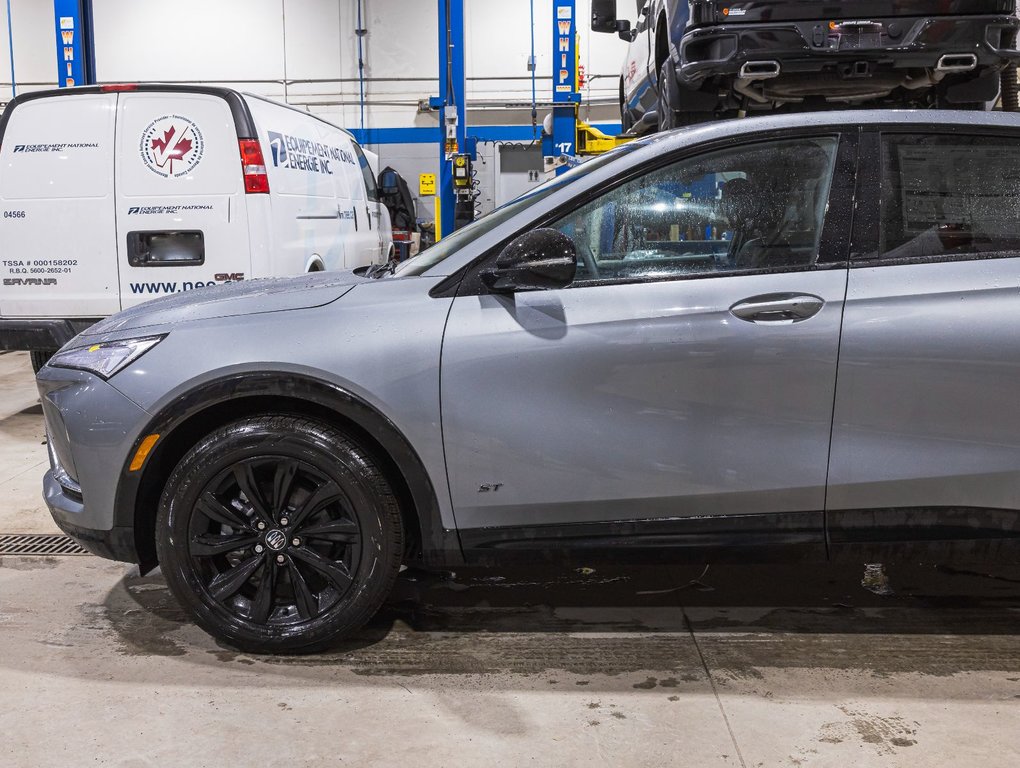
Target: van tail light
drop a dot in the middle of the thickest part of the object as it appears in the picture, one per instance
(253, 166)
(118, 87)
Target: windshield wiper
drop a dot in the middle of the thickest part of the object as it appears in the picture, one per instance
(378, 270)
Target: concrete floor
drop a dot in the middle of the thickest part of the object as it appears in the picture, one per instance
(737, 666)
(23, 457)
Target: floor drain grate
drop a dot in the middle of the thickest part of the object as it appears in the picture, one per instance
(39, 544)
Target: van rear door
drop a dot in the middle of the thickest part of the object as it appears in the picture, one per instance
(57, 223)
(182, 218)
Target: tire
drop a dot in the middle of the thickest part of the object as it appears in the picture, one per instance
(626, 119)
(668, 99)
(278, 534)
(671, 112)
(40, 357)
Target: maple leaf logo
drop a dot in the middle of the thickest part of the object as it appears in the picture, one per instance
(181, 148)
(160, 145)
(164, 154)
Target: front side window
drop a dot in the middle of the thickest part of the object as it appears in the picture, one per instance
(371, 190)
(758, 207)
(949, 196)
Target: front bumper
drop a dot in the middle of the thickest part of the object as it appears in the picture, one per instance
(810, 46)
(117, 543)
(91, 429)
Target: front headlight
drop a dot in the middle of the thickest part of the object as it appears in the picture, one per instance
(104, 359)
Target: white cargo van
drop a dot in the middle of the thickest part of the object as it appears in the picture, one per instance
(112, 195)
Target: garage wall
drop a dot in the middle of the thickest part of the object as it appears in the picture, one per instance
(35, 46)
(304, 52)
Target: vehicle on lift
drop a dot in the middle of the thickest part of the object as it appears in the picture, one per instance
(689, 62)
(115, 194)
(793, 336)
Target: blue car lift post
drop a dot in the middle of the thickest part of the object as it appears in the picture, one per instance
(563, 142)
(451, 105)
(76, 48)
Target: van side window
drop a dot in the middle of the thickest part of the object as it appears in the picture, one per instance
(949, 197)
(371, 190)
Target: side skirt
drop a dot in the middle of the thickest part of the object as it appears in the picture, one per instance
(931, 533)
(935, 534)
(743, 538)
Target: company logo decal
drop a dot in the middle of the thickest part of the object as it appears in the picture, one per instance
(52, 147)
(146, 210)
(8, 281)
(276, 540)
(171, 146)
(304, 155)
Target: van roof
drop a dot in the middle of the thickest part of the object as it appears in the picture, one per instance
(243, 121)
(301, 112)
(238, 108)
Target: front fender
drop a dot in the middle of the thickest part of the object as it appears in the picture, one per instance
(223, 399)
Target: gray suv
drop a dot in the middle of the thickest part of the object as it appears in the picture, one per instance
(783, 337)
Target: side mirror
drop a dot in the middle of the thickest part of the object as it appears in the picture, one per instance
(388, 183)
(624, 31)
(603, 16)
(535, 261)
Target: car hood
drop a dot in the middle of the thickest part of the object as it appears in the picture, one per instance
(247, 297)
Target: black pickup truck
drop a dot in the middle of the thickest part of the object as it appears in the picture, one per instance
(689, 62)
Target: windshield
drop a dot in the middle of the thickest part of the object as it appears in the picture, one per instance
(452, 243)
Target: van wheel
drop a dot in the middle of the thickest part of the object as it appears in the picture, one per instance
(279, 534)
(40, 358)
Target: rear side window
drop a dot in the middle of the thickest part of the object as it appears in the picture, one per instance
(366, 170)
(949, 196)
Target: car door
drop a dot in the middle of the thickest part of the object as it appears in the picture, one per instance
(688, 372)
(926, 433)
(373, 209)
(364, 241)
(637, 75)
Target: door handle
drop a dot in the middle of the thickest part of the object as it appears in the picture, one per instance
(778, 308)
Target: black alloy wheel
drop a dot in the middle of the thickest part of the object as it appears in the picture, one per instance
(279, 534)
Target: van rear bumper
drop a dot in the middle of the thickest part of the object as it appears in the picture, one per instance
(38, 335)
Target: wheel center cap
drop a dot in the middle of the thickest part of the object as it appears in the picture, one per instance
(276, 540)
